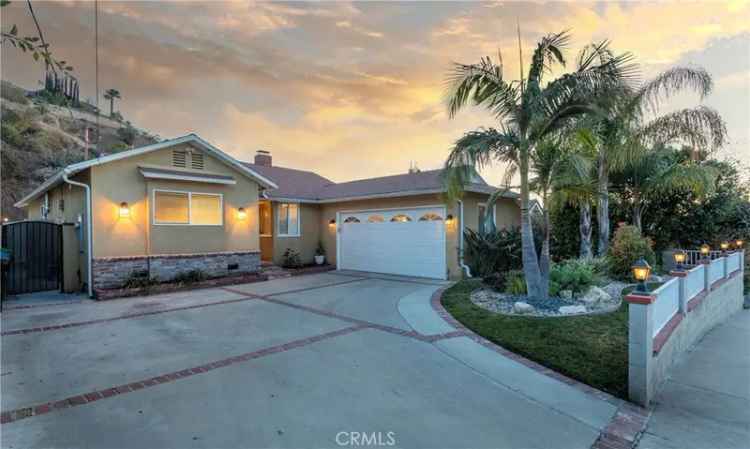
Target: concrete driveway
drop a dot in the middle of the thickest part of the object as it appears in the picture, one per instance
(327, 360)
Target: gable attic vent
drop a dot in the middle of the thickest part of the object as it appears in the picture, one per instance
(179, 158)
(196, 161)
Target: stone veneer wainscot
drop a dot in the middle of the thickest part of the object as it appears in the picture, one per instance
(112, 272)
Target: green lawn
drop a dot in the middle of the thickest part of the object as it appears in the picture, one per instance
(592, 349)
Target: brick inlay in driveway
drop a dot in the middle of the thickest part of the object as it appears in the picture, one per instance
(55, 327)
(81, 399)
(246, 297)
(390, 329)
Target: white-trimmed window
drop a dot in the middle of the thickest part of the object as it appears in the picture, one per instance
(288, 224)
(188, 208)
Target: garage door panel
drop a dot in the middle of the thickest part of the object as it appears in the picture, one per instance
(415, 248)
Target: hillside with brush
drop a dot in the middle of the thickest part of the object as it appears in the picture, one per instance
(43, 132)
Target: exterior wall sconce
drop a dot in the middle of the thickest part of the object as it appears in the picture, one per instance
(449, 219)
(124, 211)
(641, 271)
(241, 213)
(332, 222)
(679, 259)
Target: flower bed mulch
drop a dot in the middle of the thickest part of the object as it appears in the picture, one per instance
(310, 269)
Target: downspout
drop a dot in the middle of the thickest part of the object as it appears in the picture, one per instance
(89, 245)
(461, 263)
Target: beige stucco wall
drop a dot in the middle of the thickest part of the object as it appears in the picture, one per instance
(121, 180)
(306, 243)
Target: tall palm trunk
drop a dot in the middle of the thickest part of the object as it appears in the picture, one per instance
(111, 106)
(638, 214)
(584, 227)
(544, 257)
(602, 211)
(531, 269)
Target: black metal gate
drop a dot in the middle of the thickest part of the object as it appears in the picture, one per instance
(36, 256)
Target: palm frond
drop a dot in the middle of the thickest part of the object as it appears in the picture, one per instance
(699, 179)
(481, 84)
(701, 128)
(548, 52)
(579, 92)
(474, 151)
(675, 80)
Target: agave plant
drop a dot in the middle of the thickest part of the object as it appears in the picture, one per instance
(528, 111)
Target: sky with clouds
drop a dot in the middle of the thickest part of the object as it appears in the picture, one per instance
(354, 90)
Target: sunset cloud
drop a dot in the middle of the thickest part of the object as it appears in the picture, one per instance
(328, 84)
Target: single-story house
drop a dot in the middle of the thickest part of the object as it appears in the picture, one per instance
(183, 204)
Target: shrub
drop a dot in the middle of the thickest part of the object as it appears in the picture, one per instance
(13, 93)
(190, 277)
(576, 275)
(515, 283)
(628, 245)
(291, 259)
(496, 281)
(493, 252)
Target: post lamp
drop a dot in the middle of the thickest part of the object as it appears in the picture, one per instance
(680, 257)
(705, 251)
(738, 243)
(641, 271)
(724, 246)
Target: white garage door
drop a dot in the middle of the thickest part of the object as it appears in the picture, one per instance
(408, 242)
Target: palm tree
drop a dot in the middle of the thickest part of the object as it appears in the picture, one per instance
(658, 172)
(627, 126)
(558, 170)
(112, 95)
(575, 184)
(528, 111)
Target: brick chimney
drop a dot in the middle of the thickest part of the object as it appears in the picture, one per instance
(263, 157)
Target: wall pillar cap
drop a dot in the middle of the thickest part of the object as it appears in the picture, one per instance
(640, 298)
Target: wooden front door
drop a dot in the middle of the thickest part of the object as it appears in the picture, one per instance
(265, 214)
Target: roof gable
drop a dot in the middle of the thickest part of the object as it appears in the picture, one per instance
(190, 139)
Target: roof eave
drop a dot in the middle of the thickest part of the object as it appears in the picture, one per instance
(291, 199)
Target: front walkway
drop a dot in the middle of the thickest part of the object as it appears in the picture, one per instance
(706, 402)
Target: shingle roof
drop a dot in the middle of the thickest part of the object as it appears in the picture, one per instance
(305, 185)
(293, 184)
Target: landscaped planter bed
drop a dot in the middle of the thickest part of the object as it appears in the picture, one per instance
(508, 304)
(169, 287)
(310, 269)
